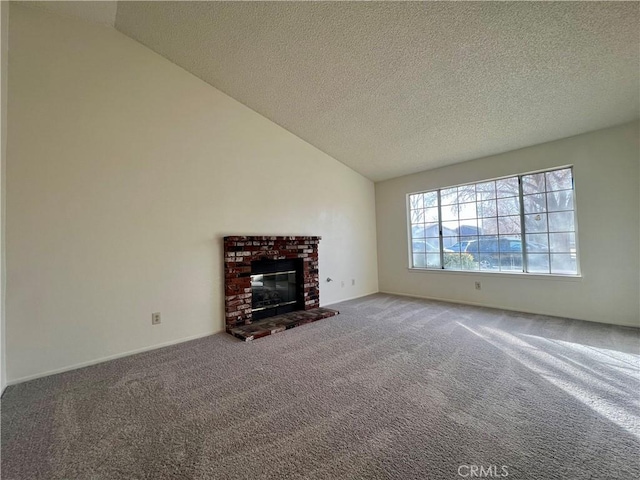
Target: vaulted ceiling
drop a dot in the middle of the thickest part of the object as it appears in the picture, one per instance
(394, 88)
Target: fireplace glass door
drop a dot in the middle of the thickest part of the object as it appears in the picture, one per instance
(275, 288)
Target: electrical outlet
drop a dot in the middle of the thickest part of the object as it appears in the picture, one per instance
(155, 318)
(353, 282)
(478, 286)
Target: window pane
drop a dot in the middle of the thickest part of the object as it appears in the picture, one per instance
(452, 260)
(419, 230)
(509, 225)
(511, 262)
(468, 227)
(561, 222)
(563, 264)
(562, 242)
(488, 261)
(487, 244)
(433, 260)
(486, 190)
(468, 262)
(416, 201)
(510, 254)
(538, 262)
(488, 226)
(449, 241)
(419, 260)
(508, 206)
(418, 246)
(431, 199)
(538, 242)
(467, 193)
(534, 203)
(467, 210)
(470, 244)
(508, 245)
(449, 212)
(417, 216)
(431, 230)
(562, 200)
(432, 245)
(507, 187)
(449, 196)
(431, 214)
(487, 208)
(559, 180)
(535, 223)
(450, 228)
(459, 261)
(533, 183)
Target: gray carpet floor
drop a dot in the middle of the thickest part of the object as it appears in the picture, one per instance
(392, 388)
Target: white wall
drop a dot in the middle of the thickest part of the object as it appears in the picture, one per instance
(123, 174)
(607, 185)
(102, 12)
(4, 50)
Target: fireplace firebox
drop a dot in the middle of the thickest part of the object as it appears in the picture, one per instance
(275, 287)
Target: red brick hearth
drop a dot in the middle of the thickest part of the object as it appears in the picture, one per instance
(239, 252)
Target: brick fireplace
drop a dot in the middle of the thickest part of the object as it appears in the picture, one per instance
(240, 253)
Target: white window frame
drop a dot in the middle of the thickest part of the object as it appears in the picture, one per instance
(523, 233)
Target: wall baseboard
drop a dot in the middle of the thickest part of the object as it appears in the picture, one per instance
(351, 298)
(108, 358)
(202, 335)
(500, 307)
(131, 352)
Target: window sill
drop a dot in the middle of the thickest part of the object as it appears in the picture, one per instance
(530, 276)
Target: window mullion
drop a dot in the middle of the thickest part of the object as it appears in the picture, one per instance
(523, 235)
(440, 239)
(575, 227)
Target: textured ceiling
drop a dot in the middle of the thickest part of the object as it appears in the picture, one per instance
(395, 88)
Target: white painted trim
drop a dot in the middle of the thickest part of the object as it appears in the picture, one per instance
(109, 358)
(500, 307)
(350, 298)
